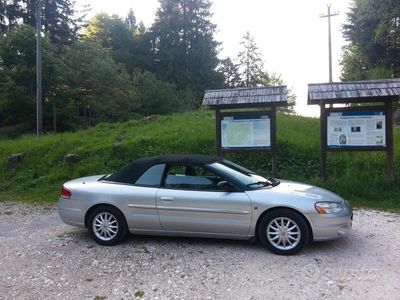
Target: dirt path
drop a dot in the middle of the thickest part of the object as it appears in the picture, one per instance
(41, 258)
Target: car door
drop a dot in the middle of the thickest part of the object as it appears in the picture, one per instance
(191, 201)
(140, 200)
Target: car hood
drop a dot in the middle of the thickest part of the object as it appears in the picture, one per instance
(295, 190)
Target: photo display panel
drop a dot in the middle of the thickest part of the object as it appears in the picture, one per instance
(246, 132)
(356, 129)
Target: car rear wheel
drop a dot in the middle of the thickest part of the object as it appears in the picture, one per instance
(283, 231)
(107, 225)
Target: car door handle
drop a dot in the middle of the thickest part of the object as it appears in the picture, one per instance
(167, 199)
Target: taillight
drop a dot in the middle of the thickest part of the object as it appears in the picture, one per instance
(65, 193)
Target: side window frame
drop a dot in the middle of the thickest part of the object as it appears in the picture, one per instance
(161, 180)
(205, 167)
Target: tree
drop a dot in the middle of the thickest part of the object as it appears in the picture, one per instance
(3, 25)
(126, 46)
(131, 20)
(11, 12)
(81, 85)
(250, 62)
(249, 72)
(373, 35)
(230, 73)
(354, 64)
(185, 52)
(16, 106)
(113, 34)
(142, 49)
(59, 18)
(276, 80)
(95, 88)
(17, 69)
(156, 96)
(141, 29)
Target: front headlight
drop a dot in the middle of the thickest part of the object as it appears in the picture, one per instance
(328, 207)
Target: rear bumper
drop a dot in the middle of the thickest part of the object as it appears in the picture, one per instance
(331, 226)
(70, 214)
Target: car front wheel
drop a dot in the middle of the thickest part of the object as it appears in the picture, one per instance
(283, 231)
(107, 225)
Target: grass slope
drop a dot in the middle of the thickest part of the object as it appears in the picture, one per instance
(360, 177)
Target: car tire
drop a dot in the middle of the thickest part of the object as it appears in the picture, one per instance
(107, 225)
(283, 231)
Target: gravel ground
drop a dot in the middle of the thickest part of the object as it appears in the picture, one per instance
(42, 258)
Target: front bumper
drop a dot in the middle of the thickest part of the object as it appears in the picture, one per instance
(331, 226)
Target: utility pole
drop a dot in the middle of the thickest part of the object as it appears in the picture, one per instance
(39, 120)
(329, 15)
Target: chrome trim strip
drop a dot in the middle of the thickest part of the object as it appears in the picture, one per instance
(142, 206)
(205, 210)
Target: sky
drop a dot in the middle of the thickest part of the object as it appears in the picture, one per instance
(290, 34)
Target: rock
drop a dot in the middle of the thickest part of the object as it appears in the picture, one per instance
(14, 159)
(152, 118)
(150, 248)
(119, 142)
(72, 158)
(117, 145)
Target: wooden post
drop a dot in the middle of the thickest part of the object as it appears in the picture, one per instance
(218, 130)
(274, 156)
(389, 138)
(323, 125)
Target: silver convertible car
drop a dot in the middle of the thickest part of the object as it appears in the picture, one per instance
(203, 196)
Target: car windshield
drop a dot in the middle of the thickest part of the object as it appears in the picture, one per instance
(243, 175)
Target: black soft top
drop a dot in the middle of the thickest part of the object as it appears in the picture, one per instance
(131, 172)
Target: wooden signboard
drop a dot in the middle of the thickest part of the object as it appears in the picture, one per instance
(250, 131)
(248, 122)
(366, 125)
(360, 128)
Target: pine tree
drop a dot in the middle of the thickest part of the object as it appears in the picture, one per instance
(131, 20)
(59, 18)
(3, 25)
(275, 79)
(251, 63)
(184, 46)
(113, 33)
(373, 33)
(11, 12)
(18, 65)
(230, 72)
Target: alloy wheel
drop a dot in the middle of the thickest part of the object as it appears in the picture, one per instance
(105, 226)
(283, 233)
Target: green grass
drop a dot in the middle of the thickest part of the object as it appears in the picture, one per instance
(359, 176)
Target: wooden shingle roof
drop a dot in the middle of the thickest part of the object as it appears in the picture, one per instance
(246, 97)
(354, 91)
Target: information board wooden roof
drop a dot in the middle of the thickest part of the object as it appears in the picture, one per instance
(354, 91)
(246, 97)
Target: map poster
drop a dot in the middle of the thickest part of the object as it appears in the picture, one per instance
(245, 132)
(356, 129)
